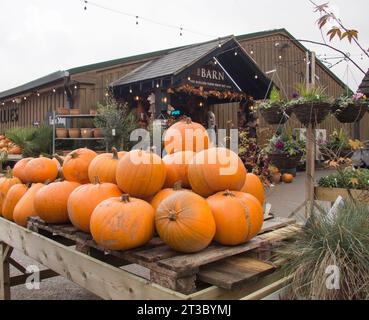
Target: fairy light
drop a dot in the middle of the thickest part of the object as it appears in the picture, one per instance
(157, 85)
(38, 94)
(256, 77)
(3, 104)
(235, 53)
(136, 20)
(189, 78)
(180, 31)
(137, 98)
(54, 90)
(25, 98)
(201, 104)
(252, 52)
(130, 90)
(75, 87)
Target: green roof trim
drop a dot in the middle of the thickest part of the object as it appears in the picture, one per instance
(156, 54)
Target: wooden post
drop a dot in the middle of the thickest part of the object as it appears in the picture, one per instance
(5, 252)
(310, 144)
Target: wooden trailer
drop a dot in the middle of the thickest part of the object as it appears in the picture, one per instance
(249, 271)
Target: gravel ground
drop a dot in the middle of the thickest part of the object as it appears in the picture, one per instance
(284, 199)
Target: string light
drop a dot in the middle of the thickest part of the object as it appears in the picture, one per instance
(189, 78)
(136, 20)
(75, 87)
(25, 98)
(85, 8)
(130, 90)
(256, 77)
(236, 53)
(157, 85)
(137, 98)
(3, 104)
(201, 104)
(54, 90)
(38, 94)
(13, 101)
(252, 52)
(180, 31)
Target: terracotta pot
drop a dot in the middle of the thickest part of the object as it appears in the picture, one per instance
(74, 112)
(276, 178)
(86, 133)
(61, 133)
(93, 112)
(74, 132)
(62, 111)
(98, 133)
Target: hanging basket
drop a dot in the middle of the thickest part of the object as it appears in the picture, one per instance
(283, 161)
(311, 112)
(354, 112)
(275, 114)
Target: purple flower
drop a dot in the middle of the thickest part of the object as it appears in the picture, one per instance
(295, 95)
(279, 145)
(358, 96)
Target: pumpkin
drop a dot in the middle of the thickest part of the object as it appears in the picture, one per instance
(141, 174)
(177, 167)
(19, 169)
(83, 201)
(25, 207)
(14, 149)
(41, 170)
(6, 184)
(13, 196)
(165, 193)
(184, 221)
(214, 170)
(186, 135)
(122, 223)
(287, 178)
(76, 163)
(254, 186)
(238, 217)
(104, 166)
(51, 201)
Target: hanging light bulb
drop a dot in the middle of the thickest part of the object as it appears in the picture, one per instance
(180, 31)
(75, 87)
(25, 98)
(236, 53)
(130, 90)
(189, 78)
(252, 52)
(136, 20)
(85, 8)
(137, 98)
(54, 90)
(280, 57)
(38, 94)
(256, 77)
(13, 101)
(157, 85)
(3, 104)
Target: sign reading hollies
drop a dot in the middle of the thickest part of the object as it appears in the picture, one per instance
(211, 77)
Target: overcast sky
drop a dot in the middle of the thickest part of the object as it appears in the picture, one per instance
(38, 37)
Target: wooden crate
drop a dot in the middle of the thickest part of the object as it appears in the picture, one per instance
(154, 271)
(331, 194)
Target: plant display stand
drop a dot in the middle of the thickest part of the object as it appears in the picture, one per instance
(151, 272)
(331, 194)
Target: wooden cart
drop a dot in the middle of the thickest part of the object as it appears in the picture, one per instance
(155, 271)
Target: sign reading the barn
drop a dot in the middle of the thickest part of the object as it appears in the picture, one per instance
(9, 115)
(211, 77)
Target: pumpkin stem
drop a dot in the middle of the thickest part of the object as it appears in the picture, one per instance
(96, 180)
(47, 182)
(74, 155)
(172, 216)
(228, 193)
(125, 198)
(177, 186)
(115, 153)
(188, 120)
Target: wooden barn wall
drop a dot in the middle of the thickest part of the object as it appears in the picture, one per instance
(34, 109)
(291, 68)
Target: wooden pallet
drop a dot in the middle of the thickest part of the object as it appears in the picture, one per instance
(225, 267)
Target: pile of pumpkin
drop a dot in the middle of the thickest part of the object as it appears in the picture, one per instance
(189, 198)
(8, 146)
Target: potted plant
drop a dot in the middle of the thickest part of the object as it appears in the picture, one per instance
(349, 109)
(311, 105)
(274, 110)
(329, 257)
(337, 146)
(348, 183)
(285, 151)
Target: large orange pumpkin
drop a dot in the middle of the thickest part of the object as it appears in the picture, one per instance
(41, 170)
(104, 166)
(76, 163)
(141, 174)
(6, 184)
(165, 193)
(122, 223)
(238, 217)
(13, 196)
(83, 201)
(25, 207)
(214, 170)
(186, 135)
(254, 186)
(177, 167)
(19, 169)
(184, 221)
(51, 201)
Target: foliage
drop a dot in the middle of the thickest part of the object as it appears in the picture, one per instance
(344, 101)
(274, 100)
(34, 141)
(347, 179)
(113, 117)
(341, 240)
(306, 94)
(338, 140)
(255, 160)
(286, 143)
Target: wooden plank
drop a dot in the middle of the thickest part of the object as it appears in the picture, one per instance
(187, 264)
(234, 271)
(276, 223)
(5, 252)
(100, 278)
